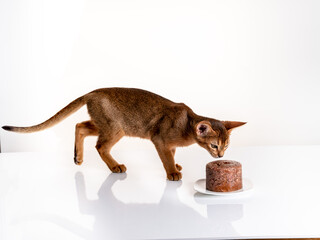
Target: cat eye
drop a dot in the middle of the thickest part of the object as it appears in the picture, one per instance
(214, 146)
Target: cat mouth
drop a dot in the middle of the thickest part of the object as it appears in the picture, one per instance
(214, 155)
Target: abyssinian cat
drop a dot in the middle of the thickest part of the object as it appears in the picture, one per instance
(118, 112)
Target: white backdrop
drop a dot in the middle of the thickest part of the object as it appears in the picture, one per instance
(254, 61)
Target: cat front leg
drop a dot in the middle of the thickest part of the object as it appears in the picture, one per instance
(167, 157)
(179, 167)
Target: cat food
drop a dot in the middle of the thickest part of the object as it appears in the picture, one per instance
(223, 176)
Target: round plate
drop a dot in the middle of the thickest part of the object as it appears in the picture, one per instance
(200, 186)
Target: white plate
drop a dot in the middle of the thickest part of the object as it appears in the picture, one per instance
(200, 186)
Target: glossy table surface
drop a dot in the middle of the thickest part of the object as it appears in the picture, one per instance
(46, 196)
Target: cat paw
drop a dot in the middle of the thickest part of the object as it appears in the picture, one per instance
(121, 168)
(77, 161)
(179, 168)
(176, 176)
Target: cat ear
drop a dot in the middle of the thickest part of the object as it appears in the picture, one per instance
(203, 129)
(230, 125)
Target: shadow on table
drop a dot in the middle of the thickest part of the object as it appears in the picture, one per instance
(170, 217)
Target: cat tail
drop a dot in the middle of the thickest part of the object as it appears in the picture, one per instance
(59, 116)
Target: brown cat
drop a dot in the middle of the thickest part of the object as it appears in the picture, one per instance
(118, 112)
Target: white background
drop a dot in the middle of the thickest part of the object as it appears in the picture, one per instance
(254, 61)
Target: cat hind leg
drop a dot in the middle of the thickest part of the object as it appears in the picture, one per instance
(83, 130)
(104, 144)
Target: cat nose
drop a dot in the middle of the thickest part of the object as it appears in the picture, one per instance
(220, 155)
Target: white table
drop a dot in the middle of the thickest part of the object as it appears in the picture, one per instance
(46, 196)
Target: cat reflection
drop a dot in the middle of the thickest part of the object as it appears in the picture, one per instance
(170, 217)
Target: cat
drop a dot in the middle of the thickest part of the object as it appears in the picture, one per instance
(118, 112)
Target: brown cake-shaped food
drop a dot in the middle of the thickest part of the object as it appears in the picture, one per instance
(223, 176)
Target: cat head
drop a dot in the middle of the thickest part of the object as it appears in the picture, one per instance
(214, 135)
